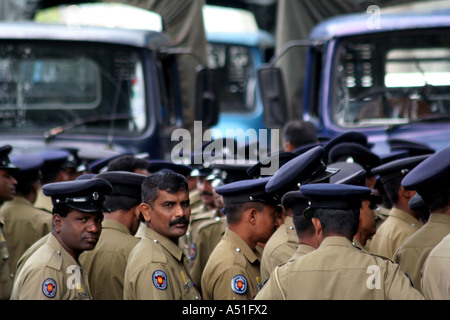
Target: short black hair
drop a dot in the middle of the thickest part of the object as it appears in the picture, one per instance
(438, 201)
(127, 163)
(391, 189)
(303, 226)
(121, 202)
(299, 133)
(338, 221)
(61, 209)
(166, 180)
(234, 212)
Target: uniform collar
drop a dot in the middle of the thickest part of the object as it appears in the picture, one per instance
(402, 215)
(113, 224)
(439, 218)
(289, 221)
(168, 244)
(336, 241)
(241, 246)
(59, 249)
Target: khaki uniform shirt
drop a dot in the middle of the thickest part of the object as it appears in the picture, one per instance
(398, 227)
(157, 270)
(209, 235)
(338, 270)
(232, 271)
(436, 272)
(194, 199)
(6, 277)
(106, 264)
(29, 252)
(24, 225)
(43, 202)
(51, 273)
(414, 251)
(280, 247)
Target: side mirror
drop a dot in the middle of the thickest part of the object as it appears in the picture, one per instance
(273, 95)
(206, 97)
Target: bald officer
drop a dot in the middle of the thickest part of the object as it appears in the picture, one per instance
(157, 267)
(431, 180)
(305, 168)
(233, 268)
(53, 271)
(106, 264)
(337, 270)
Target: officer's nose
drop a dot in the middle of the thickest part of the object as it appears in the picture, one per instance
(93, 226)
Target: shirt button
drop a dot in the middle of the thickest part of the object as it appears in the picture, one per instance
(155, 241)
(238, 249)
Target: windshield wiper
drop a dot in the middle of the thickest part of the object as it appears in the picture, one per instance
(52, 133)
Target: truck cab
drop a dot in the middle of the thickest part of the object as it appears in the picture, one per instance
(102, 91)
(389, 80)
(236, 49)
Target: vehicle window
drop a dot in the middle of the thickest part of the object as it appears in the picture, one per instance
(46, 84)
(392, 79)
(236, 76)
(49, 82)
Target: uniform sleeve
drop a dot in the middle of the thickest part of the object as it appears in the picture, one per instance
(38, 284)
(231, 285)
(153, 282)
(400, 287)
(435, 280)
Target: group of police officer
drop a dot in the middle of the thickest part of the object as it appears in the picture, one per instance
(336, 221)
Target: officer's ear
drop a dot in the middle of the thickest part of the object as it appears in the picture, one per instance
(251, 214)
(317, 225)
(145, 210)
(57, 222)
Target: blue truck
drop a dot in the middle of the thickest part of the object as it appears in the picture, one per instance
(236, 51)
(102, 91)
(388, 78)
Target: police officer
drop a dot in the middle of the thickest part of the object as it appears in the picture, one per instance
(7, 191)
(305, 168)
(53, 271)
(430, 179)
(402, 221)
(207, 233)
(204, 211)
(157, 267)
(298, 133)
(336, 269)
(233, 269)
(354, 174)
(24, 224)
(107, 262)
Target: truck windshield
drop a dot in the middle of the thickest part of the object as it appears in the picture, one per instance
(44, 85)
(236, 76)
(392, 79)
